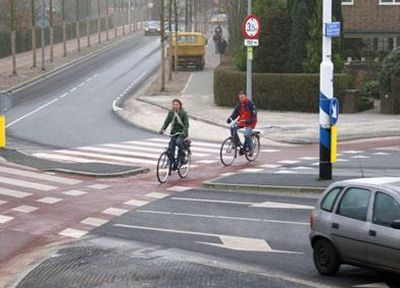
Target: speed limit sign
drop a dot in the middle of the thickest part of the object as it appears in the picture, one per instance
(251, 27)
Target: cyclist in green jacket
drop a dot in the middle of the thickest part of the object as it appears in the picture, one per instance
(179, 121)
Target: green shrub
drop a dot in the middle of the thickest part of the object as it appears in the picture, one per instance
(281, 92)
(371, 89)
(391, 67)
(395, 82)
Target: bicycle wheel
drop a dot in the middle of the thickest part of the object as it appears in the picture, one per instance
(163, 168)
(228, 152)
(184, 170)
(256, 149)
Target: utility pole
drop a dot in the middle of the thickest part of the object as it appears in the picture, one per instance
(33, 15)
(162, 35)
(13, 38)
(326, 96)
(249, 61)
(42, 33)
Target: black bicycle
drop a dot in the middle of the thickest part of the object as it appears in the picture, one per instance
(233, 146)
(168, 161)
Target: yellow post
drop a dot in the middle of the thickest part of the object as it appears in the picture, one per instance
(2, 131)
(334, 135)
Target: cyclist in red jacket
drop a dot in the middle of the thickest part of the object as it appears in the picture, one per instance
(246, 112)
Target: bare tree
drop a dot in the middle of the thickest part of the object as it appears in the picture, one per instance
(162, 35)
(51, 31)
(33, 24)
(64, 28)
(13, 37)
(78, 34)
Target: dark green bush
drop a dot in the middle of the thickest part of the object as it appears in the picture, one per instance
(395, 82)
(281, 92)
(391, 67)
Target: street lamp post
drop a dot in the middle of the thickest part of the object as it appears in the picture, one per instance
(326, 96)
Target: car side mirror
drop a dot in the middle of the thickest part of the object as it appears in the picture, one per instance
(396, 224)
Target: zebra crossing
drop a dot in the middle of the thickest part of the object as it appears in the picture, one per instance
(137, 152)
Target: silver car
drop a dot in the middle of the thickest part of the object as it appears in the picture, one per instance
(357, 222)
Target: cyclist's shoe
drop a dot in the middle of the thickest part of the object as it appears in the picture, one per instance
(250, 153)
(241, 151)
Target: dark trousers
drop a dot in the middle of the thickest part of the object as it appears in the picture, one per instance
(175, 142)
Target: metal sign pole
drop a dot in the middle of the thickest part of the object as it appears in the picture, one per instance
(249, 60)
(326, 95)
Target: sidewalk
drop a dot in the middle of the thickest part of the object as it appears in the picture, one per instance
(209, 121)
(24, 60)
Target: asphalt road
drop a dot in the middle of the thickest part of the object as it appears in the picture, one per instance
(236, 226)
(74, 108)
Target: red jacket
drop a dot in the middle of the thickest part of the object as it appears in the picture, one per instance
(247, 113)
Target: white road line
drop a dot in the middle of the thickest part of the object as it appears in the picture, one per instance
(25, 209)
(73, 233)
(195, 143)
(4, 219)
(251, 170)
(136, 203)
(102, 158)
(179, 189)
(82, 84)
(270, 150)
(302, 168)
(49, 200)
(74, 193)
(289, 162)
(95, 222)
(227, 174)
(114, 211)
(270, 166)
(187, 84)
(222, 217)
(381, 154)
(163, 146)
(207, 161)
(64, 95)
(13, 193)
(157, 195)
(353, 152)
(119, 152)
(62, 158)
(73, 89)
(26, 184)
(360, 157)
(2, 202)
(309, 158)
(31, 113)
(39, 176)
(341, 160)
(99, 186)
(284, 172)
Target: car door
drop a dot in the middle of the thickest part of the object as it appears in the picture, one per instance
(383, 240)
(349, 227)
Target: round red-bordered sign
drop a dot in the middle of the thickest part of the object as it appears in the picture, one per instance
(251, 28)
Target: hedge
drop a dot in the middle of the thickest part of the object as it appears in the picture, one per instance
(281, 92)
(390, 102)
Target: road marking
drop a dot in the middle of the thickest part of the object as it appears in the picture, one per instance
(207, 161)
(119, 152)
(74, 193)
(223, 217)
(373, 285)
(187, 84)
(49, 200)
(381, 154)
(4, 219)
(195, 143)
(13, 193)
(136, 203)
(26, 184)
(302, 168)
(309, 158)
(251, 170)
(340, 160)
(99, 186)
(179, 189)
(231, 242)
(227, 174)
(73, 233)
(64, 95)
(270, 166)
(31, 113)
(157, 195)
(352, 152)
(73, 89)
(265, 204)
(39, 176)
(360, 157)
(82, 84)
(289, 162)
(284, 172)
(270, 150)
(114, 211)
(2, 202)
(95, 222)
(163, 146)
(25, 209)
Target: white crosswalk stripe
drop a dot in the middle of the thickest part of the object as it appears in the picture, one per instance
(135, 152)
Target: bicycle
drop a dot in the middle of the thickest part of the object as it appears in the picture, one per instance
(232, 146)
(165, 165)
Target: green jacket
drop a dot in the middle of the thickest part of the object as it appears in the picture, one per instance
(176, 126)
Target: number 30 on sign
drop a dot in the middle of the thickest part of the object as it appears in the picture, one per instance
(251, 27)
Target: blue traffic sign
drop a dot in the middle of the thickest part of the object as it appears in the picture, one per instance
(334, 111)
(333, 29)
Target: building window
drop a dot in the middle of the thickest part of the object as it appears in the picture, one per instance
(389, 2)
(347, 2)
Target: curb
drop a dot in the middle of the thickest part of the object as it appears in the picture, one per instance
(132, 172)
(66, 66)
(211, 184)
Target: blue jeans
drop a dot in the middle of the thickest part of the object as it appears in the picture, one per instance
(177, 141)
(247, 136)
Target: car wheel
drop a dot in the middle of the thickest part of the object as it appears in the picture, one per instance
(326, 259)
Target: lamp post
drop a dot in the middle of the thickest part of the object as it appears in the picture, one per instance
(249, 80)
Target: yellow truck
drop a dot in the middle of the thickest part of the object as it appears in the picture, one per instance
(190, 50)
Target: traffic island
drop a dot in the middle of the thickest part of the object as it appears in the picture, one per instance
(271, 182)
(83, 169)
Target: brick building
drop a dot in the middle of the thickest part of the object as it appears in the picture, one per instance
(371, 27)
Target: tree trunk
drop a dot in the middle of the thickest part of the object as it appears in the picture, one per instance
(162, 35)
(33, 15)
(13, 36)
